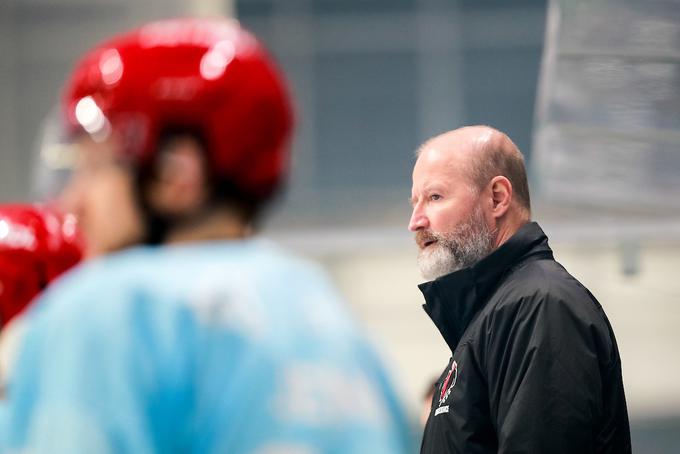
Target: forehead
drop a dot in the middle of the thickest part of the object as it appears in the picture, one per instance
(439, 165)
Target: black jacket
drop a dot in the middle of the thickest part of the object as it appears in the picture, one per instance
(535, 366)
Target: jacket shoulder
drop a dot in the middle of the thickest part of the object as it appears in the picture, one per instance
(543, 298)
(541, 282)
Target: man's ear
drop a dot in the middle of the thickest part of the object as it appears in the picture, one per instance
(501, 195)
(179, 185)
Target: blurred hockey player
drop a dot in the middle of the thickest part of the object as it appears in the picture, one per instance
(37, 244)
(186, 334)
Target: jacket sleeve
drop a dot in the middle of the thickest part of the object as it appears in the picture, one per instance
(543, 359)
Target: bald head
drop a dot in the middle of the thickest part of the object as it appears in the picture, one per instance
(485, 152)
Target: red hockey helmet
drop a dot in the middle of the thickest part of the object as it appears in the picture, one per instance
(37, 244)
(207, 76)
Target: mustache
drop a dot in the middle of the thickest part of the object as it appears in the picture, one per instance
(425, 236)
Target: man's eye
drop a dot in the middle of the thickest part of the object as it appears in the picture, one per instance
(435, 197)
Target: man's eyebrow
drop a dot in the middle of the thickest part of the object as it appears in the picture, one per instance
(433, 187)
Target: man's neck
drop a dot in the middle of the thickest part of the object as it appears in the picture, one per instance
(508, 227)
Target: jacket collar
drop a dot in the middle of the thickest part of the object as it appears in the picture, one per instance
(454, 299)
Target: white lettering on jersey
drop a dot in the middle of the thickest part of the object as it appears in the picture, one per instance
(227, 298)
(326, 395)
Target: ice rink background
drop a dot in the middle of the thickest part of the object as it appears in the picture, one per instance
(374, 78)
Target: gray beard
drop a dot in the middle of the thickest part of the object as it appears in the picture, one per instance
(470, 242)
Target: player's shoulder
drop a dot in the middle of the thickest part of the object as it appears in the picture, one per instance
(168, 272)
(256, 254)
(102, 275)
(97, 292)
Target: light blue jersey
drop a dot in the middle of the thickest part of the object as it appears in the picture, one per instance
(229, 347)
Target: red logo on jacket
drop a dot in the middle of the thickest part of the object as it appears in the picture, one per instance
(449, 383)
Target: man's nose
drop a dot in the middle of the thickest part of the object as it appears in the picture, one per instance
(418, 220)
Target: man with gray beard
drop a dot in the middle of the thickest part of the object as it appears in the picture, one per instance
(535, 367)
